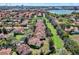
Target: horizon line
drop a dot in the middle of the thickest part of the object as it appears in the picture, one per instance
(39, 4)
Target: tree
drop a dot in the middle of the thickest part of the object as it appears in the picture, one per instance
(23, 49)
(71, 46)
(4, 31)
(35, 42)
(0, 30)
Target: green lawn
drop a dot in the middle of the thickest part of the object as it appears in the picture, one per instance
(57, 41)
(18, 37)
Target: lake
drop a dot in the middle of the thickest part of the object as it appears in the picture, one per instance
(62, 11)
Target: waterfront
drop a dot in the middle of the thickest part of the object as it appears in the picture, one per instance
(37, 32)
(62, 11)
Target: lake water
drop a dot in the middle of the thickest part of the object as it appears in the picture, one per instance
(62, 11)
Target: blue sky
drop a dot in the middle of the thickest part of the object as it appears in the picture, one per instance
(40, 4)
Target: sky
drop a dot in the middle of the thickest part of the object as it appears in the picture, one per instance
(40, 4)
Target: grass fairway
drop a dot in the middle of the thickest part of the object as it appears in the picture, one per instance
(57, 41)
